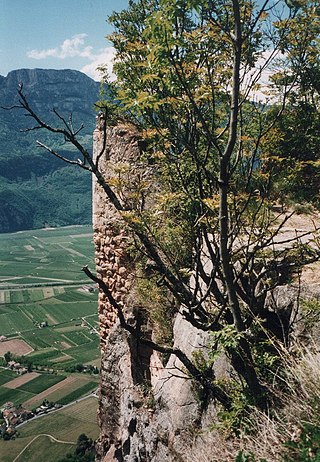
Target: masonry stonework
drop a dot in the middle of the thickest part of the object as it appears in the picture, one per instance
(110, 238)
(148, 411)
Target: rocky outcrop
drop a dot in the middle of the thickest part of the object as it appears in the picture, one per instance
(67, 90)
(111, 241)
(149, 410)
(144, 406)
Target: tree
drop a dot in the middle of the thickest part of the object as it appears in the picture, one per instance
(291, 153)
(7, 357)
(84, 451)
(291, 149)
(187, 72)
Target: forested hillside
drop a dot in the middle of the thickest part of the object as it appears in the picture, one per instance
(37, 189)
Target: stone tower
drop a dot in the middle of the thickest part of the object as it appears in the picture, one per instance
(146, 409)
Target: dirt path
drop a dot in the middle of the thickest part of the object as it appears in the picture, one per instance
(38, 436)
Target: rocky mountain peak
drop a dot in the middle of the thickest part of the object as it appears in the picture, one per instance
(68, 90)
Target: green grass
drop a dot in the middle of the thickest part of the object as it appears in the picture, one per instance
(41, 383)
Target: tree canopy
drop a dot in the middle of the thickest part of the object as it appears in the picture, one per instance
(212, 86)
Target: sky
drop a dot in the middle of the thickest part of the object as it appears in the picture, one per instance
(56, 34)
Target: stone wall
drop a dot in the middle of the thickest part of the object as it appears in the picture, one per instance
(110, 239)
(143, 406)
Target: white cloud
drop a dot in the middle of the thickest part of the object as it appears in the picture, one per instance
(265, 67)
(103, 58)
(75, 47)
(68, 49)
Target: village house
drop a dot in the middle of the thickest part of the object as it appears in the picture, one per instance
(13, 415)
(15, 366)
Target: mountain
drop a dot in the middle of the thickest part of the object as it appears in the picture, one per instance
(37, 189)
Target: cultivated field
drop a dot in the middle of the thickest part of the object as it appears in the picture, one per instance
(64, 425)
(21, 380)
(46, 303)
(6, 376)
(45, 256)
(15, 346)
(48, 311)
(63, 391)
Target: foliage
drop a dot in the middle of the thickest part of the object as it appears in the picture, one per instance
(54, 199)
(161, 308)
(205, 134)
(84, 451)
(306, 447)
(292, 153)
(245, 457)
(291, 149)
(199, 212)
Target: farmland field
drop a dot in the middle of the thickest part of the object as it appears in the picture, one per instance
(6, 376)
(16, 382)
(45, 255)
(15, 395)
(16, 346)
(78, 392)
(48, 309)
(41, 382)
(58, 388)
(65, 391)
(64, 425)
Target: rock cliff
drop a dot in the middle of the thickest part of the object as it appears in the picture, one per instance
(67, 90)
(149, 410)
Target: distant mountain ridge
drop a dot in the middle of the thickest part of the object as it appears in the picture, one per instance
(46, 88)
(37, 189)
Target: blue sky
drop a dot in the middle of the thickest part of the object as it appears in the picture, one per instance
(56, 34)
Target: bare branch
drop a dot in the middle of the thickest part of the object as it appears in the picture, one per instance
(56, 154)
(216, 391)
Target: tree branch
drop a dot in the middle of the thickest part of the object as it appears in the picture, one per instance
(195, 373)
